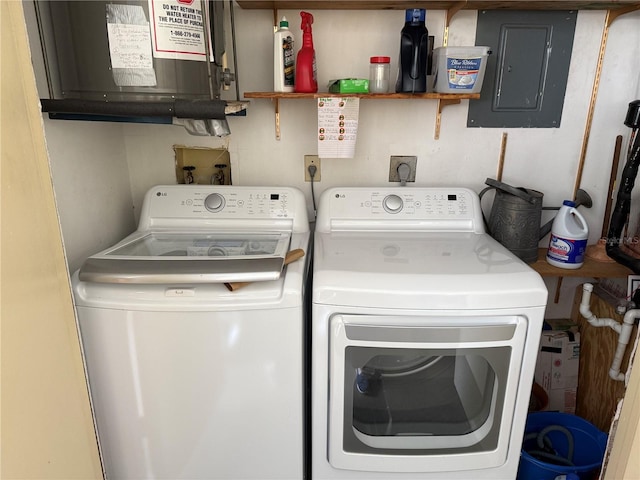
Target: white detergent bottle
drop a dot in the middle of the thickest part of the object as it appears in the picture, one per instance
(284, 60)
(569, 234)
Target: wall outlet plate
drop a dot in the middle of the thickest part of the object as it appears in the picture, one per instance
(308, 161)
(396, 161)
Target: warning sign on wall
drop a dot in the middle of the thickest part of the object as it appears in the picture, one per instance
(177, 29)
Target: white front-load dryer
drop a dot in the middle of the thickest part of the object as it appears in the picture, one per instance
(425, 333)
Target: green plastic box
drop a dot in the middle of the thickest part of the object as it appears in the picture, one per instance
(349, 85)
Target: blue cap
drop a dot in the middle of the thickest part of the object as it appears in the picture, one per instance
(415, 15)
(569, 203)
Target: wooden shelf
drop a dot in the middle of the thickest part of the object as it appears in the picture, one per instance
(615, 8)
(372, 96)
(445, 5)
(590, 269)
(443, 99)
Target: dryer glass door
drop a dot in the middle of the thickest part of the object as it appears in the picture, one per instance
(415, 394)
(419, 399)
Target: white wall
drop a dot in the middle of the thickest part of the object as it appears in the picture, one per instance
(91, 179)
(542, 159)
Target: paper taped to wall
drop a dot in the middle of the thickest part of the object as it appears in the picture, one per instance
(337, 126)
(130, 46)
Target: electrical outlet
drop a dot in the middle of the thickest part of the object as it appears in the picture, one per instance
(396, 161)
(308, 161)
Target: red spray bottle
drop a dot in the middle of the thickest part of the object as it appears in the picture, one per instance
(306, 78)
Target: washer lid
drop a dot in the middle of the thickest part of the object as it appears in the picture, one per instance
(421, 271)
(195, 257)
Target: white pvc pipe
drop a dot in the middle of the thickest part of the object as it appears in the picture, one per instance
(623, 330)
(585, 311)
(625, 334)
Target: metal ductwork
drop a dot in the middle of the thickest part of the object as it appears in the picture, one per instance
(150, 61)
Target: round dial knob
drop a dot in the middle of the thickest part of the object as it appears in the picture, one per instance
(214, 202)
(392, 203)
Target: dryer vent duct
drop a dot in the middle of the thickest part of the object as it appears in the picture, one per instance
(145, 61)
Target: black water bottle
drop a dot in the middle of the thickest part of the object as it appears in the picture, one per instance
(414, 49)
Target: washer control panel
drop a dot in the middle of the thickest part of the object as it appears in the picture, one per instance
(254, 204)
(458, 208)
(171, 203)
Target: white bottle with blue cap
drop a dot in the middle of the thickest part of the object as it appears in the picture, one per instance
(569, 234)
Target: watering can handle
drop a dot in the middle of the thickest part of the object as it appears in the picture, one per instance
(509, 189)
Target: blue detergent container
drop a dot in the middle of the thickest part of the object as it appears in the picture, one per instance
(588, 447)
(414, 53)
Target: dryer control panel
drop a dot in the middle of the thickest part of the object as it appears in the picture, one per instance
(421, 209)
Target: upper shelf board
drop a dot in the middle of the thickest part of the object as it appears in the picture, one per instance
(466, 5)
(403, 96)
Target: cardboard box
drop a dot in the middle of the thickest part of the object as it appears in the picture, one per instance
(557, 366)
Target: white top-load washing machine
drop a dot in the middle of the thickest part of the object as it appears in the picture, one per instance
(425, 332)
(189, 379)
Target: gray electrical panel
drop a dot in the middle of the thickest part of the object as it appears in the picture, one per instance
(526, 75)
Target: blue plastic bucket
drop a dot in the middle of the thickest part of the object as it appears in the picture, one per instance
(589, 446)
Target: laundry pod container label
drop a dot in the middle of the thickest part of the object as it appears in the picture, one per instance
(460, 69)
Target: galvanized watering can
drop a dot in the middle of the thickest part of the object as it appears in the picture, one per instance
(516, 215)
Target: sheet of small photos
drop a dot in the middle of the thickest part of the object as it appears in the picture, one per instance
(337, 126)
